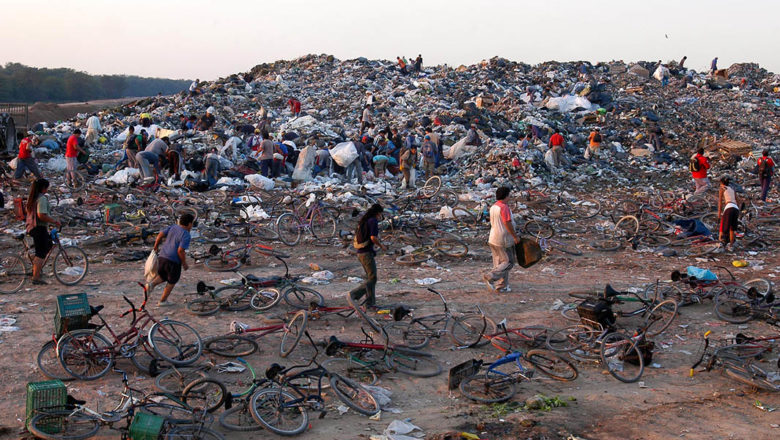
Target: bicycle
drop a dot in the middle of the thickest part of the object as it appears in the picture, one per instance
(738, 364)
(498, 383)
(88, 354)
(226, 261)
(237, 343)
(69, 264)
(507, 339)
(465, 330)
(740, 305)
(445, 247)
(316, 220)
(393, 358)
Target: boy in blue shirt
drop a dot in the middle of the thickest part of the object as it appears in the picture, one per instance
(171, 257)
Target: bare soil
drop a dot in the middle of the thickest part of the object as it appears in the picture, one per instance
(51, 112)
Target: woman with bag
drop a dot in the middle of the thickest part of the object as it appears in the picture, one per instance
(38, 217)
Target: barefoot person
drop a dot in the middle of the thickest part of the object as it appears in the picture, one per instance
(502, 240)
(38, 218)
(172, 256)
(366, 236)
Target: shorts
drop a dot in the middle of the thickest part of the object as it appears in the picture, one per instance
(41, 241)
(728, 222)
(168, 270)
(71, 163)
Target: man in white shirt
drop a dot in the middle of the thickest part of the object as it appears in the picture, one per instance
(501, 241)
(93, 129)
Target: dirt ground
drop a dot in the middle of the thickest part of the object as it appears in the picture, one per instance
(666, 404)
(48, 111)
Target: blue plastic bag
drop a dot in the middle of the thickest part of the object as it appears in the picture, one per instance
(701, 274)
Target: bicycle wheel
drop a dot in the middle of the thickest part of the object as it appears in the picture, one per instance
(606, 245)
(763, 286)
(278, 411)
(231, 345)
(193, 432)
(222, 263)
(661, 317)
(49, 363)
(293, 332)
(322, 225)
(85, 354)
(431, 187)
(413, 364)
(203, 306)
(264, 232)
(143, 356)
(303, 297)
(467, 330)
(175, 342)
(414, 334)
(63, 425)
(447, 197)
(78, 181)
(552, 365)
(175, 380)
(538, 229)
(451, 247)
(215, 235)
(732, 306)
(265, 299)
(12, 273)
(699, 249)
(627, 227)
(354, 395)
(753, 377)
(587, 207)
(239, 418)
(351, 369)
(234, 298)
(288, 226)
(571, 338)
(70, 265)
(173, 413)
(621, 356)
(569, 311)
(413, 258)
(206, 393)
(488, 389)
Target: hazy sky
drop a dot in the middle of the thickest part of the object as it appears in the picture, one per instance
(212, 38)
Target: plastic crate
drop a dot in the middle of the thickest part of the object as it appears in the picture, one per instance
(111, 212)
(72, 313)
(146, 426)
(462, 371)
(50, 394)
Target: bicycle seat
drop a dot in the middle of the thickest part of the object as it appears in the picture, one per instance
(203, 287)
(71, 402)
(263, 281)
(609, 292)
(274, 371)
(95, 310)
(19, 236)
(333, 346)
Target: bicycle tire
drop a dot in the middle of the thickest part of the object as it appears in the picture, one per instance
(187, 351)
(220, 263)
(418, 365)
(447, 198)
(732, 307)
(587, 208)
(661, 317)
(73, 257)
(175, 380)
(627, 227)
(467, 330)
(570, 338)
(763, 286)
(293, 332)
(741, 351)
(175, 414)
(552, 365)
(570, 313)
(49, 363)
(351, 369)
(322, 225)
(203, 306)
(414, 334)
(234, 298)
(698, 250)
(566, 249)
(265, 299)
(363, 315)
(239, 418)
(264, 232)
(481, 388)
(606, 245)
(82, 357)
(288, 227)
(76, 426)
(750, 378)
(215, 235)
(538, 229)
(270, 405)
(205, 393)
(193, 432)
(451, 247)
(13, 274)
(616, 351)
(413, 258)
(302, 298)
(431, 187)
(231, 345)
(354, 395)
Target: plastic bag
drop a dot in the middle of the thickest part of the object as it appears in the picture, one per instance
(260, 181)
(344, 153)
(305, 164)
(150, 268)
(701, 274)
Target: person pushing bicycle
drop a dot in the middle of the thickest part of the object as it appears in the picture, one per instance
(38, 218)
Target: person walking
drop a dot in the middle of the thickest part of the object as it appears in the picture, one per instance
(72, 150)
(172, 256)
(714, 65)
(728, 213)
(698, 167)
(37, 221)
(430, 157)
(366, 236)
(766, 167)
(267, 149)
(556, 149)
(93, 130)
(25, 160)
(366, 119)
(406, 164)
(501, 241)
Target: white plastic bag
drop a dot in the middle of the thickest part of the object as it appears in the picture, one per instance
(344, 153)
(305, 164)
(260, 181)
(150, 268)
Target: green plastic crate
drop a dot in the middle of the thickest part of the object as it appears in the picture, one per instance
(72, 313)
(146, 426)
(50, 394)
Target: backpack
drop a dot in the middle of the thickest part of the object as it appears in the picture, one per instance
(694, 165)
(427, 149)
(764, 170)
(597, 138)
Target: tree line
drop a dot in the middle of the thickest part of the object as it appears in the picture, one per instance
(20, 83)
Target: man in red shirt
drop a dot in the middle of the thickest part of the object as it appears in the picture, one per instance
(72, 150)
(766, 167)
(295, 106)
(699, 173)
(25, 160)
(556, 145)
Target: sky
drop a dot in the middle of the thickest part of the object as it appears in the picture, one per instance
(208, 39)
